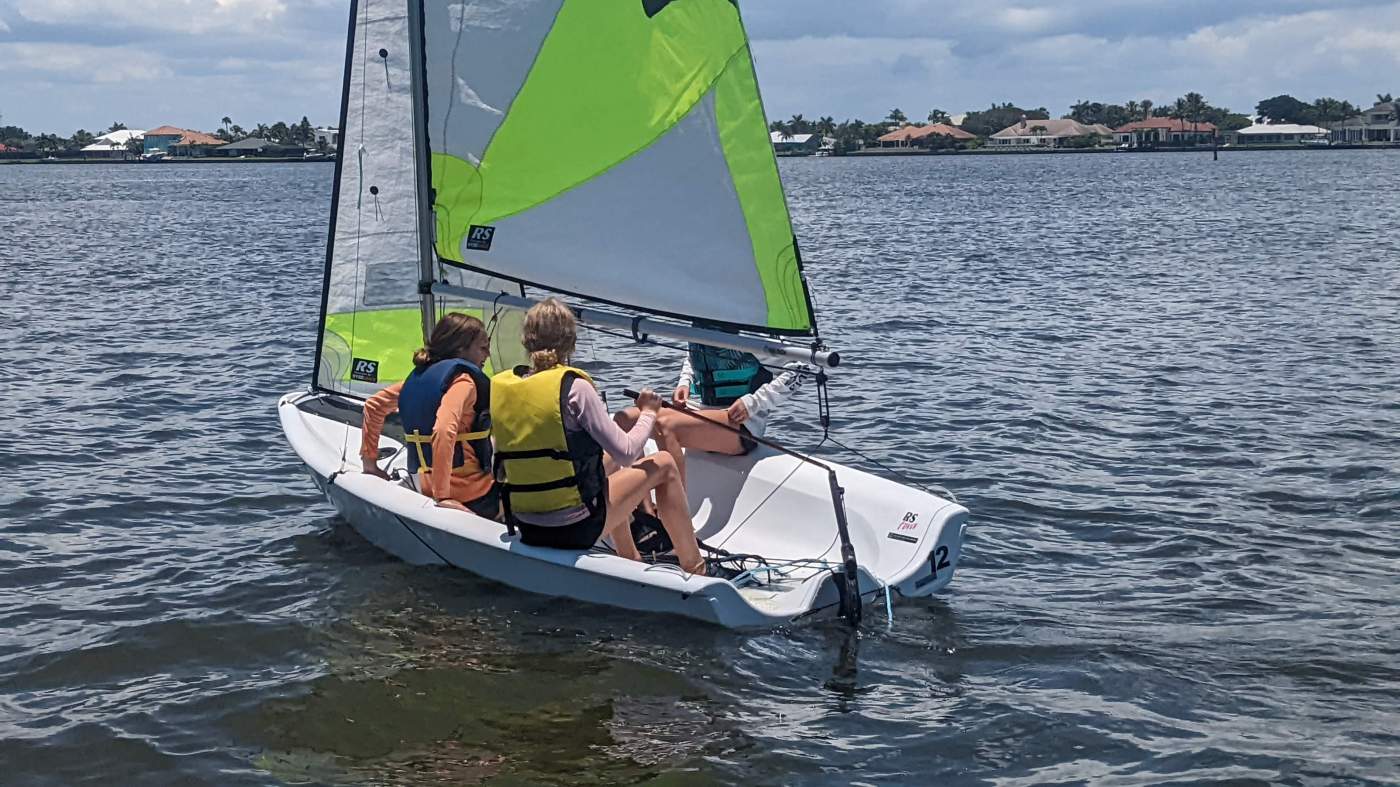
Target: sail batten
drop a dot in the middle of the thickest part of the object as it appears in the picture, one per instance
(616, 151)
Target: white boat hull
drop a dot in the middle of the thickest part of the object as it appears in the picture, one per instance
(766, 503)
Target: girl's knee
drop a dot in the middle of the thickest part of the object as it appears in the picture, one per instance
(625, 419)
(665, 464)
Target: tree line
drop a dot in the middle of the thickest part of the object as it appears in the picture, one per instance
(295, 133)
(1190, 108)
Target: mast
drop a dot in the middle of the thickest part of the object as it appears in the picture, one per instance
(421, 153)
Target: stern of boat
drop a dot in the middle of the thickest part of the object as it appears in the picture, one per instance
(941, 559)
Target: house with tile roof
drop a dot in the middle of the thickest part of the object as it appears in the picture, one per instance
(195, 144)
(931, 135)
(179, 142)
(1154, 131)
(1047, 133)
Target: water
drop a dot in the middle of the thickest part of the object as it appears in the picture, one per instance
(1166, 387)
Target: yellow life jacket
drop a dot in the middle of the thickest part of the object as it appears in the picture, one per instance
(542, 467)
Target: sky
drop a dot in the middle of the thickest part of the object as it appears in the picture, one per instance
(71, 64)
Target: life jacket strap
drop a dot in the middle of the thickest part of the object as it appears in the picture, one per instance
(543, 486)
(461, 438)
(537, 453)
(417, 441)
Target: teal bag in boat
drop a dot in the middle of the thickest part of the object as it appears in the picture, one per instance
(722, 376)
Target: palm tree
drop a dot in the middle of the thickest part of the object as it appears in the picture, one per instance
(1179, 112)
(116, 127)
(226, 121)
(1195, 107)
(896, 116)
(1133, 108)
(1147, 108)
(938, 116)
(826, 126)
(1384, 98)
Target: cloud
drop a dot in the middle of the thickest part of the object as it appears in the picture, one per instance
(185, 16)
(189, 62)
(1243, 52)
(1024, 20)
(81, 63)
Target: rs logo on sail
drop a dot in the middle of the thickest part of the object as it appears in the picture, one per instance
(364, 370)
(479, 237)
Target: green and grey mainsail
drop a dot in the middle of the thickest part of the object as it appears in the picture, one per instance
(371, 319)
(612, 149)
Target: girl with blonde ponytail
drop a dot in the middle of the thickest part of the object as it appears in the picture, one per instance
(550, 333)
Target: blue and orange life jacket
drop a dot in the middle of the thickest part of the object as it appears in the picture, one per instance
(418, 405)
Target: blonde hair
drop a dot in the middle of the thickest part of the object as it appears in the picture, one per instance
(550, 334)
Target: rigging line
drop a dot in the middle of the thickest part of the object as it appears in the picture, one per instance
(359, 207)
(937, 490)
(414, 533)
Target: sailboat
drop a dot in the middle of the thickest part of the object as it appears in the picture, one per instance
(496, 152)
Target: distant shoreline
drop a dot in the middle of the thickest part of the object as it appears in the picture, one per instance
(866, 153)
(179, 162)
(1038, 151)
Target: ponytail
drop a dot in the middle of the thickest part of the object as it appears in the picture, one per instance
(549, 334)
(453, 335)
(543, 359)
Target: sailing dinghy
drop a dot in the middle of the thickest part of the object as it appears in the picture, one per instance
(615, 153)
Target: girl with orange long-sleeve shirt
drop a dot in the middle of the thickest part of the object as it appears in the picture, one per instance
(442, 392)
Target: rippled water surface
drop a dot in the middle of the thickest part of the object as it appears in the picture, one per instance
(1166, 387)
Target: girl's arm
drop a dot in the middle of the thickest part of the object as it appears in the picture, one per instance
(377, 408)
(683, 384)
(592, 416)
(775, 392)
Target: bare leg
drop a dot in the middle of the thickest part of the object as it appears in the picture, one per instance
(628, 486)
(675, 431)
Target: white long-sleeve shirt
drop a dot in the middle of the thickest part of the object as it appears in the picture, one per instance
(760, 403)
